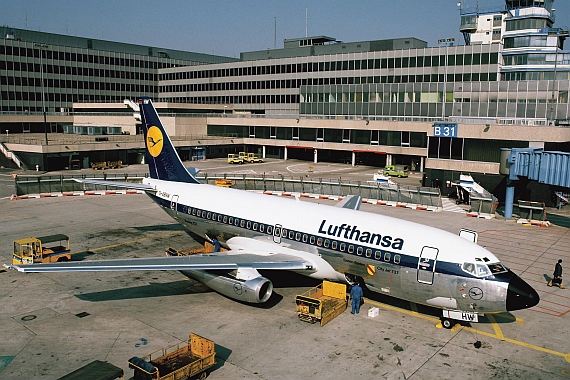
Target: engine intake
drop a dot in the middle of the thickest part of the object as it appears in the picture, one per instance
(255, 290)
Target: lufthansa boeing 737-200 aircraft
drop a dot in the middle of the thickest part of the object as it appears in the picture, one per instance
(410, 261)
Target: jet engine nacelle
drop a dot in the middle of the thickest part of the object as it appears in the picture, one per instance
(255, 290)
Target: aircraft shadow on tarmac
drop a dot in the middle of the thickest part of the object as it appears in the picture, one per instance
(280, 279)
(161, 227)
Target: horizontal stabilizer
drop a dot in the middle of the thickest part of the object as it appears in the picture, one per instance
(191, 262)
(123, 185)
(351, 202)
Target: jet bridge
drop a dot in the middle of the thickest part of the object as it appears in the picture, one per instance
(550, 168)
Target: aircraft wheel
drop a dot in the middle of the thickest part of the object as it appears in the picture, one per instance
(447, 323)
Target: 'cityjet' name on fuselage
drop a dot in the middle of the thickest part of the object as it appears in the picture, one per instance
(353, 233)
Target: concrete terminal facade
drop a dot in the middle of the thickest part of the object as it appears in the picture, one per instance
(442, 110)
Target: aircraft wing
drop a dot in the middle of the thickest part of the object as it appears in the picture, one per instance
(124, 185)
(223, 261)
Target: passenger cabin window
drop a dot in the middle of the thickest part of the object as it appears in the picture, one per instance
(342, 246)
(249, 225)
(396, 259)
(284, 233)
(255, 226)
(312, 241)
(242, 223)
(291, 235)
(305, 238)
(225, 219)
(359, 251)
(377, 255)
(231, 220)
(387, 256)
(270, 229)
(298, 236)
(334, 244)
(261, 227)
(327, 243)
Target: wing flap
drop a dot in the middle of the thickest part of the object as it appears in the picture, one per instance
(193, 262)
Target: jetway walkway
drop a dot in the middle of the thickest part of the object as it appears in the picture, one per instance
(547, 167)
(550, 168)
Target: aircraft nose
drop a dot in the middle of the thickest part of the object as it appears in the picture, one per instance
(520, 295)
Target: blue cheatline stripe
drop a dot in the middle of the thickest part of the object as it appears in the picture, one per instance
(384, 256)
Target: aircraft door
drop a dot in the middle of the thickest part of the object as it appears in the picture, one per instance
(174, 204)
(426, 265)
(277, 233)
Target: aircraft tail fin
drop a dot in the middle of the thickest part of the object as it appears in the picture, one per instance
(163, 161)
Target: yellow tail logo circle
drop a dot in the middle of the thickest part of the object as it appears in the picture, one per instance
(154, 141)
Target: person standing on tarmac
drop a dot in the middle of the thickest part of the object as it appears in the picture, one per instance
(216, 244)
(356, 294)
(557, 275)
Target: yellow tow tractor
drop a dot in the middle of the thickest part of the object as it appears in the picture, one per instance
(234, 159)
(39, 250)
(251, 157)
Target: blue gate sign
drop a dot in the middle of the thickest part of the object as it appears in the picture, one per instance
(445, 129)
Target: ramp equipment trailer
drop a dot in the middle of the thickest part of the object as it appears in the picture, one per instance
(322, 303)
(178, 361)
(39, 250)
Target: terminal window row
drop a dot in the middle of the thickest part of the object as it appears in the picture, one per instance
(469, 59)
(28, 67)
(296, 83)
(147, 63)
(353, 136)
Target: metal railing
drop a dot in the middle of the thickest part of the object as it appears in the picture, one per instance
(426, 196)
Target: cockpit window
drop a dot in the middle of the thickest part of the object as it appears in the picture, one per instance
(497, 268)
(482, 270)
(469, 268)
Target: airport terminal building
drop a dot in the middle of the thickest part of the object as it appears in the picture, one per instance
(443, 110)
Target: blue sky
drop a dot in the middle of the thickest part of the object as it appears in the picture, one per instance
(230, 27)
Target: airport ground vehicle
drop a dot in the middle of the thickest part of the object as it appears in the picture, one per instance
(234, 159)
(178, 361)
(251, 157)
(224, 182)
(38, 250)
(396, 170)
(322, 303)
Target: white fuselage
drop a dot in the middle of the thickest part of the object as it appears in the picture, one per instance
(402, 259)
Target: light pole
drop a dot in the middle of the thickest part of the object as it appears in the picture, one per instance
(445, 42)
(42, 46)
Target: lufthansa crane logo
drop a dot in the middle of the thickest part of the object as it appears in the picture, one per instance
(475, 293)
(154, 141)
